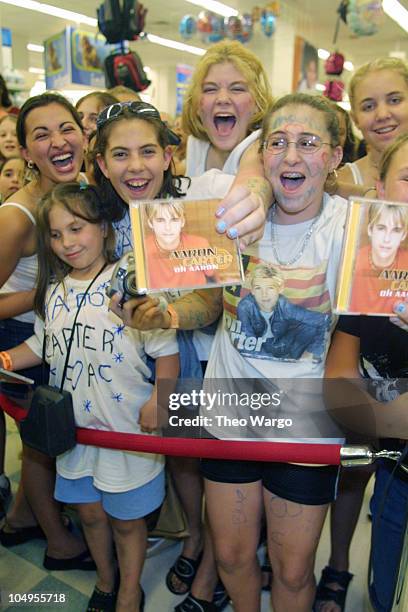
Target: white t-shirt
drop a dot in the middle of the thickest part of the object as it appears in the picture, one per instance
(107, 376)
(212, 184)
(295, 345)
(197, 151)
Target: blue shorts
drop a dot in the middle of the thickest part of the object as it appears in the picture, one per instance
(126, 506)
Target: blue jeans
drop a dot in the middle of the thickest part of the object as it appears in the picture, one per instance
(387, 536)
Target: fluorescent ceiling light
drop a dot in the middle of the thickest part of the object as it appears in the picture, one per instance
(55, 11)
(215, 7)
(323, 53)
(397, 12)
(173, 44)
(35, 70)
(36, 48)
(349, 66)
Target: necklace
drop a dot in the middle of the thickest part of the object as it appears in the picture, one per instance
(302, 244)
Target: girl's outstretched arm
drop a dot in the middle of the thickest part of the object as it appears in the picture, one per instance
(243, 211)
(191, 311)
(21, 357)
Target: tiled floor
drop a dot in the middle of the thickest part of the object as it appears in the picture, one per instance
(21, 567)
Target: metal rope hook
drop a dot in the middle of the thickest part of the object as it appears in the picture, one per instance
(354, 455)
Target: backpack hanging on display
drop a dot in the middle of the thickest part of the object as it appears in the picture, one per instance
(334, 90)
(334, 63)
(121, 20)
(125, 69)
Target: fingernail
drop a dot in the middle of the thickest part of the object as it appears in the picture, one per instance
(232, 232)
(221, 226)
(220, 211)
(400, 308)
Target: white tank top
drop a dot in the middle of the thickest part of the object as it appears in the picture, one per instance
(356, 172)
(24, 276)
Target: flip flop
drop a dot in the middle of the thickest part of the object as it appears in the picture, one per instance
(83, 561)
(185, 570)
(19, 535)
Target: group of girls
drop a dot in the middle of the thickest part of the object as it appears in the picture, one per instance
(299, 147)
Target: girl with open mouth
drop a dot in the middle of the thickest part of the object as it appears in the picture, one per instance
(49, 132)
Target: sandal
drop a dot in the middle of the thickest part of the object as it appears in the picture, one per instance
(101, 601)
(83, 561)
(185, 570)
(221, 598)
(193, 604)
(325, 593)
(19, 535)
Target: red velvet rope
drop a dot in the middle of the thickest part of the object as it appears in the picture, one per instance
(188, 447)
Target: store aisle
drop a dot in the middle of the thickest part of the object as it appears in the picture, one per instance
(21, 568)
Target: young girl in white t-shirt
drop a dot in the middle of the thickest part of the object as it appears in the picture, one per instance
(108, 378)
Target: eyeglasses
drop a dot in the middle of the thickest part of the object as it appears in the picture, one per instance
(306, 145)
(137, 108)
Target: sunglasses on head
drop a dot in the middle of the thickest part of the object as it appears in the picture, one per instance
(140, 110)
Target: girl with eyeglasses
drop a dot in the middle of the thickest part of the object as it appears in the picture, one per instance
(302, 241)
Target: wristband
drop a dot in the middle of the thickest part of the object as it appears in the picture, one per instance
(174, 318)
(6, 360)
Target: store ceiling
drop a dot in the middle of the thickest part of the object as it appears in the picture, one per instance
(315, 21)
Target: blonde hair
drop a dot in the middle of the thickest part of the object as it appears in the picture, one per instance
(399, 213)
(381, 63)
(389, 155)
(176, 209)
(247, 64)
(267, 271)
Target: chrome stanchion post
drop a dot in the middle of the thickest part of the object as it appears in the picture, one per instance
(355, 455)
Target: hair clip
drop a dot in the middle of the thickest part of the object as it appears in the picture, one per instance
(83, 185)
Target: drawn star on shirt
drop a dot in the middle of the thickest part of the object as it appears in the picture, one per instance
(117, 397)
(118, 329)
(87, 404)
(102, 286)
(118, 357)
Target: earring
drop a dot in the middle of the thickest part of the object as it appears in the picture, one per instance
(30, 164)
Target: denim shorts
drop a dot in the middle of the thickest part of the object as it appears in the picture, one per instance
(125, 506)
(303, 484)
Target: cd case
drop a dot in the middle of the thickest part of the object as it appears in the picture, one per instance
(176, 246)
(12, 377)
(374, 266)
